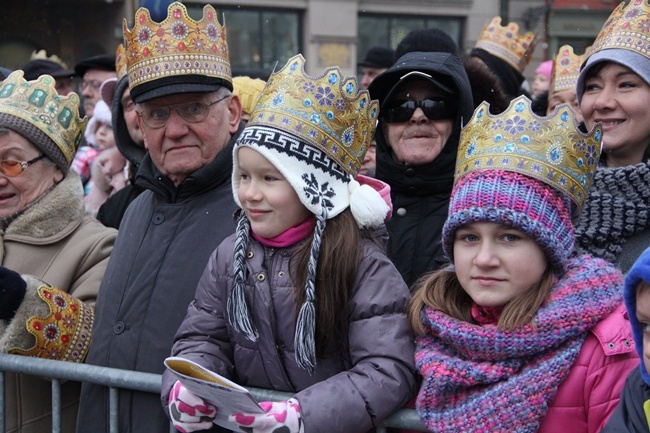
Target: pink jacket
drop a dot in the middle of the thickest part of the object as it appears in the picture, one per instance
(590, 393)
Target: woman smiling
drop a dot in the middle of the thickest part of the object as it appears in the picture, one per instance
(614, 89)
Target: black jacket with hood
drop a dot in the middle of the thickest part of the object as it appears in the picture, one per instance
(420, 193)
(111, 212)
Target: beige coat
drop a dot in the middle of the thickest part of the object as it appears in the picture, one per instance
(56, 243)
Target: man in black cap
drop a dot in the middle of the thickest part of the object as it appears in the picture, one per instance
(189, 119)
(93, 72)
(424, 99)
(377, 60)
(63, 76)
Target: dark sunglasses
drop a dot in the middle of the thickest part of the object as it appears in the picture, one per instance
(434, 109)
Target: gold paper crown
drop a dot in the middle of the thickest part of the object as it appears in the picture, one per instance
(566, 68)
(626, 28)
(42, 55)
(120, 62)
(38, 103)
(176, 46)
(550, 149)
(330, 111)
(506, 43)
(65, 333)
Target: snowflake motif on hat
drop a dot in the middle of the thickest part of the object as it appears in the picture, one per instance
(322, 194)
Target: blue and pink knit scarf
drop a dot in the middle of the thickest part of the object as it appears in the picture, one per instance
(483, 379)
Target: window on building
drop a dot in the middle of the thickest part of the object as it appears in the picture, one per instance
(388, 30)
(258, 39)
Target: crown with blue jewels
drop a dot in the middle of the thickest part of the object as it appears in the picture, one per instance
(38, 103)
(550, 149)
(330, 111)
(628, 28)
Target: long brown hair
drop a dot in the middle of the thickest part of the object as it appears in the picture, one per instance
(336, 273)
(441, 290)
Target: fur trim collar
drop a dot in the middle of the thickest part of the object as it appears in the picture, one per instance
(58, 212)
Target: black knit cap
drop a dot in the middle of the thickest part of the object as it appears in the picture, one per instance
(378, 57)
(35, 68)
(103, 62)
(426, 40)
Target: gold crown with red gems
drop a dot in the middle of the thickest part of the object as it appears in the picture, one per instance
(628, 28)
(120, 62)
(566, 69)
(550, 149)
(176, 46)
(38, 103)
(330, 111)
(507, 43)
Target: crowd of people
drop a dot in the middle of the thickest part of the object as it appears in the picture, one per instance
(436, 235)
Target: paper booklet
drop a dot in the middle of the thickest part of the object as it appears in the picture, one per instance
(225, 394)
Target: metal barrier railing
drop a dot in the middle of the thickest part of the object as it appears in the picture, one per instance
(116, 379)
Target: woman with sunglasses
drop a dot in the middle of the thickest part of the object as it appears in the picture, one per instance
(423, 99)
(53, 256)
(614, 89)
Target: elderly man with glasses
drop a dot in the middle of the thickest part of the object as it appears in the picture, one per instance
(424, 98)
(189, 119)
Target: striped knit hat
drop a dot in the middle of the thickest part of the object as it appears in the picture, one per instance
(517, 201)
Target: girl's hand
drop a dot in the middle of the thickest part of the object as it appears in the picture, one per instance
(189, 412)
(280, 416)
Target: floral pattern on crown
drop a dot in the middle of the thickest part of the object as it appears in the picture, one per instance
(120, 62)
(38, 103)
(507, 44)
(176, 46)
(628, 28)
(566, 69)
(330, 111)
(550, 149)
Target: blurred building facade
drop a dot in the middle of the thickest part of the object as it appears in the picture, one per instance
(263, 33)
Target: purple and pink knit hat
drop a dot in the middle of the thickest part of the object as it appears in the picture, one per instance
(517, 201)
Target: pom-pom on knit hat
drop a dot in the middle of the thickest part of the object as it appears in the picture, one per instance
(315, 131)
(524, 171)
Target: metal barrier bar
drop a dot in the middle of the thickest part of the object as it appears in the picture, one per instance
(116, 379)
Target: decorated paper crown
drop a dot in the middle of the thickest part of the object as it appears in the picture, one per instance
(566, 69)
(626, 28)
(550, 149)
(38, 103)
(177, 46)
(42, 55)
(507, 44)
(330, 112)
(120, 62)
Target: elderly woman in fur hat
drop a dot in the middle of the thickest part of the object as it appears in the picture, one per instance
(52, 256)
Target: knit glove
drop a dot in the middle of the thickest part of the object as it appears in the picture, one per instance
(189, 412)
(280, 417)
(12, 292)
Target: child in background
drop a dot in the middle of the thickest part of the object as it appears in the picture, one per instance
(308, 303)
(542, 78)
(516, 335)
(633, 411)
(99, 136)
(564, 79)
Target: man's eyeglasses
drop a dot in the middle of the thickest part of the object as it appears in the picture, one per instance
(11, 168)
(434, 109)
(95, 84)
(156, 117)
